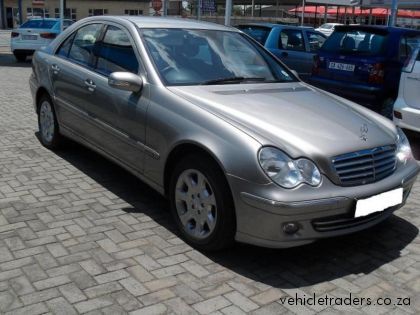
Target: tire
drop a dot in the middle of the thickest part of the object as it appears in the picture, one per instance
(209, 201)
(49, 133)
(387, 108)
(20, 57)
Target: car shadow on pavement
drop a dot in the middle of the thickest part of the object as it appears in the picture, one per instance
(8, 60)
(325, 260)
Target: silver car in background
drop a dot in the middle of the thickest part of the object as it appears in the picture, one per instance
(241, 148)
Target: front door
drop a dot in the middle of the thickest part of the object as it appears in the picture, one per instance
(116, 52)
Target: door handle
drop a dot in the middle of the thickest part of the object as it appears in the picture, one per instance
(55, 69)
(90, 85)
(413, 78)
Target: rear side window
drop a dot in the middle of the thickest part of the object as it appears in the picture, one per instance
(260, 34)
(45, 24)
(115, 52)
(83, 43)
(404, 49)
(355, 42)
(315, 41)
(291, 40)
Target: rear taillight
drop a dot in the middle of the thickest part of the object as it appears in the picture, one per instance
(48, 35)
(14, 34)
(377, 73)
(397, 114)
(315, 65)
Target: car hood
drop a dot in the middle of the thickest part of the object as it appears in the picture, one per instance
(295, 117)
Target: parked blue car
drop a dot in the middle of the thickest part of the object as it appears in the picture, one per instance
(293, 45)
(363, 63)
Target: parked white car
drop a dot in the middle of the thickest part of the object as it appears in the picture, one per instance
(34, 34)
(327, 29)
(407, 105)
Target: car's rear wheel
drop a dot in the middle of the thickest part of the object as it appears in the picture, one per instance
(47, 123)
(201, 203)
(20, 57)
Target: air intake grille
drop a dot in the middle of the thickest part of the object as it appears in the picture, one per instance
(366, 166)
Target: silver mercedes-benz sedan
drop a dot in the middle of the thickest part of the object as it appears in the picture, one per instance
(240, 146)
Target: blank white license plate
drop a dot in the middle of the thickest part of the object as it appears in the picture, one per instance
(379, 202)
(341, 66)
(29, 37)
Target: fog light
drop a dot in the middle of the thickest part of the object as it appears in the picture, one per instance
(397, 114)
(290, 227)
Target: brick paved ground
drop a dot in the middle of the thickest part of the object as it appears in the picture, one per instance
(80, 235)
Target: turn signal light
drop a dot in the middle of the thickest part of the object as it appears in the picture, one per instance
(377, 73)
(14, 34)
(397, 114)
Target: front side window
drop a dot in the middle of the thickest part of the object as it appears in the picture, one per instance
(116, 53)
(64, 49)
(192, 57)
(315, 41)
(291, 40)
(83, 43)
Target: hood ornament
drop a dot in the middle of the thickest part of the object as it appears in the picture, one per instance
(363, 132)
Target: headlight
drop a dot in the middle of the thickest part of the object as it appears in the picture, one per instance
(286, 172)
(403, 147)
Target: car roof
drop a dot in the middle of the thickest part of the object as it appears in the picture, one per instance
(389, 29)
(44, 19)
(163, 22)
(273, 25)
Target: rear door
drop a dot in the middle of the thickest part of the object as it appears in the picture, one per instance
(291, 49)
(70, 69)
(314, 41)
(411, 82)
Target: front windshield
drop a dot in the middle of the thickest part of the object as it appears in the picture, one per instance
(193, 57)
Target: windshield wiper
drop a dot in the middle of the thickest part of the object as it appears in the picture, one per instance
(232, 80)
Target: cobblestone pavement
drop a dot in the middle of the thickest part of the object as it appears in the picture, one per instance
(80, 235)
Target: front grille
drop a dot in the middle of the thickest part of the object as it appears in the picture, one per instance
(366, 166)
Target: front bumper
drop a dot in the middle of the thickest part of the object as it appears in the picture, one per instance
(360, 93)
(410, 116)
(327, 211)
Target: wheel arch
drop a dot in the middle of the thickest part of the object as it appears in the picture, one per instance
(39, 93)
(183, 149)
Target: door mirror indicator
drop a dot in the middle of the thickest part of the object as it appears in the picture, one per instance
(125, 81)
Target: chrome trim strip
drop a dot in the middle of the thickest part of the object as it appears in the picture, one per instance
(130, 140)
(330, 202)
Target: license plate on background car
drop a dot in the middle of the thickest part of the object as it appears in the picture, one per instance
(341, 66)
(29, 37)
(379, 202)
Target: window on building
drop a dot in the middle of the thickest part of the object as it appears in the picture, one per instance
(70, 13)
(133, 12)
(37, 13)
(116, 52)
(95, 12)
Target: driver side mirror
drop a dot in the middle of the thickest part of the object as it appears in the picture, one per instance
(125, 81)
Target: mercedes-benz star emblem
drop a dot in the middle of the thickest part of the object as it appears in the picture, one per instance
(363, 132)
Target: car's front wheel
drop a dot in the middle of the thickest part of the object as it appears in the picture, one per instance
(48, 124)
(201, 203)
